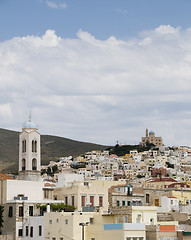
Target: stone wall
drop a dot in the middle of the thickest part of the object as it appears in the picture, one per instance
(6, 237)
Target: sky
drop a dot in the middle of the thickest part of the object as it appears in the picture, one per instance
(97, 71)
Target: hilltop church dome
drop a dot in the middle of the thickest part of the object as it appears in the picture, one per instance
(30, 125)
(151, 132)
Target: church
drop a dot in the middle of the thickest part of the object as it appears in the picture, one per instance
(151, 138)
(21, 197)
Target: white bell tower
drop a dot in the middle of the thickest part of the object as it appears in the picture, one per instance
(29, 153)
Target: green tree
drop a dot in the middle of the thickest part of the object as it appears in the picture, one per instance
(55, 169)
(1, 217)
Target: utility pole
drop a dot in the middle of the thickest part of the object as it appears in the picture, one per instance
(83, 225)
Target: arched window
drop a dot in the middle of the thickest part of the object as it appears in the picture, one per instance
(10, 214)
(34, 146)
(34, 164)
(23, 164)
(24, 146)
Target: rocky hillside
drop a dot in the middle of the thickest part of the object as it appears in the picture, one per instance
(52, 148)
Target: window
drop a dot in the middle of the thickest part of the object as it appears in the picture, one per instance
(151, 221)
(24, 146)
(53, 238)
(34, 146)
(61, 238)
(66, 221)
(30, 210)
(21, 211)
(147, 198)
(46, 194)
(31, 232)
(128, 238)
(57, 220)
(92, 238)
(171, 201)
(23, 164)
(83, 201)
(40, 230)
(168, 238)
(66, 200)
(20, 233)
(157, 202)
(128, 203)
(100, 201)
(86, 183)
(10, 214)
(140, 238)
(34, 164)
(125, 219)
(118, 203)
(27, 231)
(50, 221)
(123, 203)
(91, 220)
(72, 200)
(92, 201)
(134, 238)
(161, 238)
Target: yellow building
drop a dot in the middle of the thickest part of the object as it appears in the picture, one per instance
(92, 226)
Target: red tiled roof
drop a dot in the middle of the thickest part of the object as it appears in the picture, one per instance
(5, 176)
(162, 179)
(178, 184)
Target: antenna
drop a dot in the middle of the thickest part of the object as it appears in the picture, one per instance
(30, 116)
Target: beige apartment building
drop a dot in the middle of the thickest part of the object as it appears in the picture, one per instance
(85, 194)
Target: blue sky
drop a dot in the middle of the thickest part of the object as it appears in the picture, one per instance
(97, 71)
(102, 18)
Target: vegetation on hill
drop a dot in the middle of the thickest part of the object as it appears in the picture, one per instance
(125, 149)
(52, 148)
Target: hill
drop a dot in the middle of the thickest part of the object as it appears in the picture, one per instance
(125, 149)
(52, 148)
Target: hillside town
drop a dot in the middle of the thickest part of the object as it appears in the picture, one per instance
(142, 195)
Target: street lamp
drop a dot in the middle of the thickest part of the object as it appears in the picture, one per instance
(83, 225)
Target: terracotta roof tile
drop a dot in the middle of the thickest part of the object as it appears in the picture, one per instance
(5, 176)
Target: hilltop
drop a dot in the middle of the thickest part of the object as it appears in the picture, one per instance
(52, 148)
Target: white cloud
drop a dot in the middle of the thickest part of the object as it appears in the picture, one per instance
(55, 5)
(101, 91)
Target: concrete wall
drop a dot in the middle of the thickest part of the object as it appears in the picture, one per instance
(33, 190)
(65, 178)
(34, 222)
(145, 213)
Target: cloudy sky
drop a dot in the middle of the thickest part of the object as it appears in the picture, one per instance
(98, 71)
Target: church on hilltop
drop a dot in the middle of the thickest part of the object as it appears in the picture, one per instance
(150, 138)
